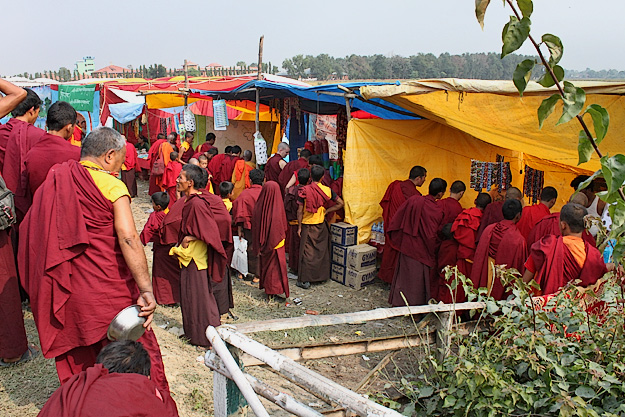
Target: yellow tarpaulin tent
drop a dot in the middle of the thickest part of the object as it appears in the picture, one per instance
(468, 119)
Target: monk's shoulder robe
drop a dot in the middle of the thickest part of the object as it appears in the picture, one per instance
(70, 260)
(492, 214)
(503, 243)
(243, 207)
(414, 228)
(96, 392)
(130, 162)
(150, 232)
(314, 197)
(530, 216)
(464, 229)
(154, 151)
(550, 225)
(289, 169)
(241, 176)
(170, 227)
(186, 151)
(172, 171)
(227, 167)
(451, 209)
(49, 151)
(199, 221)
(557, 261)
(272, 168)
(222, 215)
(396, 193)
(214, 166)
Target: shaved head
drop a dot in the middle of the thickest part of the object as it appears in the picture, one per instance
(247, 155)
(514, 193)
(579, 198)
(283, 146)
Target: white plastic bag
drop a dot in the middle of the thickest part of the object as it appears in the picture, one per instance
(239, 258)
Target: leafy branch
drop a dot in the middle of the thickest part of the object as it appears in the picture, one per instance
(514, 35)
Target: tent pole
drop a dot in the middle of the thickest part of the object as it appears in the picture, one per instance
(259, 77)
(186, 84)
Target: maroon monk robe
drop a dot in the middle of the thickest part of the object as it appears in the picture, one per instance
(172, 171)
(242, 210)
(222, 290)
(49, 151)
(396, 193)
(198, 305)
(186, 155)
(464, 230)
(165, 268)
(289, 169)
(550, 225)
(503, 243)
(272, 168)
(530, 216)
(290, 208)
(205, 147)
(447, 256)
(72, 267)
(227, 167)
(214, 166)
(98, 393)
(555, 265)
(128, 175)
(414, 232)
(13, 341)
(451, 208)
(22, 137)
(152, 157)
(492, 214)
(269, 227)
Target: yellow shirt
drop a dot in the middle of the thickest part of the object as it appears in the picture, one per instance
(112, 188)
(280, 244)
(228, 203)
(184, 146)
(197, 251)
(320, 215)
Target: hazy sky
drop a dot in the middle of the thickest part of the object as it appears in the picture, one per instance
(43, 34)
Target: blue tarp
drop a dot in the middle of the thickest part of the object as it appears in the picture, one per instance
(126, 112)
(314, 99)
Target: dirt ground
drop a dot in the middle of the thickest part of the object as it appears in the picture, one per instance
(25, 388)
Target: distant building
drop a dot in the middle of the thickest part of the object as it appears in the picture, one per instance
(192, 65)
(213, 66)
(111, 71)
(85, 66)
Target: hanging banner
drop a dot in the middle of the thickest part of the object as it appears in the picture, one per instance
(79, 96)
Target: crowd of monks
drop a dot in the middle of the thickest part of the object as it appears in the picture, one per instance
(81, 260)
(426, 233)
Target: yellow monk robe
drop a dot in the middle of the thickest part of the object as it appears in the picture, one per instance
(241, 177)
(228, 204)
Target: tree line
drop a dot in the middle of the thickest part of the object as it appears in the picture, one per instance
(485, 66)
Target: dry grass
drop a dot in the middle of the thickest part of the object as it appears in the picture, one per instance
(25, 388)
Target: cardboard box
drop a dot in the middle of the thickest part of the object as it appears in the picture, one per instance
(358, 257)
(337, 273)
(344, 234)
(352, 278)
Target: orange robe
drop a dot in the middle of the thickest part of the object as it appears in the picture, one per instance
(241, 177)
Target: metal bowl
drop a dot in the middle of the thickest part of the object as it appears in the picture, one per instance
(127, 325)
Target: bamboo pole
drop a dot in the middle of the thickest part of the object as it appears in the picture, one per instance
(186, 84)
(281, 399)
(259, 77)
(306, 377)
(348, 318)
(237, 374)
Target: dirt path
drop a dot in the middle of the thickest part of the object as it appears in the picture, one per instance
(24, 389)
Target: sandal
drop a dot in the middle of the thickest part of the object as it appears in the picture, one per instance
(31, 353)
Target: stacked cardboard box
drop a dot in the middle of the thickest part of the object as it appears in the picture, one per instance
(352, 265)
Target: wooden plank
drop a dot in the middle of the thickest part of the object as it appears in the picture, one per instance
(365, 381)
(299, 374)
(349, 318)
(347, 348)
(281, 399)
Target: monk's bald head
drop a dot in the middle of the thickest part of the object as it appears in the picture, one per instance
(512, 209)
(247, 155)
(579, 198)
(283, 149)
(194, 161)
(572, 215)
(100, 141)
(514, 193)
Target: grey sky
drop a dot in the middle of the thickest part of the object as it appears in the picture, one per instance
(44, 34)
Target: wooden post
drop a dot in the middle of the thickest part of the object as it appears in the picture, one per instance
(259, 77)
(443, 335)
(186, 83)
(348, 109)
(305, 377)
(281, 399)
(237, 375)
